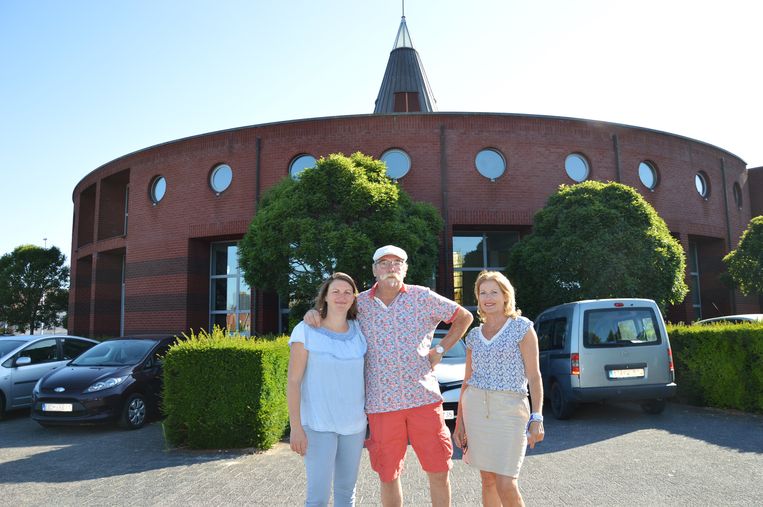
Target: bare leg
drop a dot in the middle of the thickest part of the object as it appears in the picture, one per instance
(392, 493)
(439, 488)
(508, 490)
(490, 496)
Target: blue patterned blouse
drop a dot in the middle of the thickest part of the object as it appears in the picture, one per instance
(497, 363)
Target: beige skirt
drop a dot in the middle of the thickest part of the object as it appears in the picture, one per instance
(495, 422)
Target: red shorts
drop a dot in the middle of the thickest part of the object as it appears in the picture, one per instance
(423, 426)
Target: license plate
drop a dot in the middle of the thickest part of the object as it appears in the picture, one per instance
(449, 414)
(630, 373)
(56, 407)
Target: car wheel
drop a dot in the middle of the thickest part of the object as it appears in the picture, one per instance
(134, 412)
(561, 406)
(2, 406)
(653, 406)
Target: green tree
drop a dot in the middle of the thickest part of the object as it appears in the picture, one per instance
(745, 264)
(33, 287)
(597, 240)
(332, 218)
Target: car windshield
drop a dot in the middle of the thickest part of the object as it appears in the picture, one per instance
(8, 345)
(457, 350)
(115, 353)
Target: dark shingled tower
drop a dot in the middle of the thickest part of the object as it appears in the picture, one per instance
(405, 88)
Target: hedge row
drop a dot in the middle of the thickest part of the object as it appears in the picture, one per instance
(719, 365)
(226, 391)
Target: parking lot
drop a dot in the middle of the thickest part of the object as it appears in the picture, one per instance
(606, 455)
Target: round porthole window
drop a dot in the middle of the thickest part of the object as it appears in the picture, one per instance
(157, 189)
(701, 184)
(577, 167)
(738, 195)
(300, 163)
(647, 173)
(490, 163)
(221, 178)
(398, 163)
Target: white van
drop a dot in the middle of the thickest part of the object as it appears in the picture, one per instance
(605, 349)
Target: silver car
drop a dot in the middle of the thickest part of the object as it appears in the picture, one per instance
(24, 359)
(450, 375)
(605, 349)
(734, 319)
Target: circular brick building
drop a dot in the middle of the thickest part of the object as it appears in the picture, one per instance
(155, 231)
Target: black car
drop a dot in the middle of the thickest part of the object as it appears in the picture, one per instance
(119, 380)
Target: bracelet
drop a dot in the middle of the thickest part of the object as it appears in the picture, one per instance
(534, 417)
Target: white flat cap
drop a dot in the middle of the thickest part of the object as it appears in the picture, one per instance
(390, 250)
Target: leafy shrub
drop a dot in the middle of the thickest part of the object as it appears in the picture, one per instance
(719, 365)
(331, 219)
(596, 240)
(226, 391)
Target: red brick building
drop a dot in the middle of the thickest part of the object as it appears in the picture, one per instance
(155, 231)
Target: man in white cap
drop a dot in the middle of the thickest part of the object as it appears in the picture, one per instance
(403, 400)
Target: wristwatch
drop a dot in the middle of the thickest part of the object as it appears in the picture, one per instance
(439, 349)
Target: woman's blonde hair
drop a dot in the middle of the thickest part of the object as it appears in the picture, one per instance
(509, 307)
(320, 299)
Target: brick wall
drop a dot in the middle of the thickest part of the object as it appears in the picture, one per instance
(166, 287)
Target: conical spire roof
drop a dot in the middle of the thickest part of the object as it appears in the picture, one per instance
(405, 88)
(403, 39)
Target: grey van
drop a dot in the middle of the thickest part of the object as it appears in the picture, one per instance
(605, 349)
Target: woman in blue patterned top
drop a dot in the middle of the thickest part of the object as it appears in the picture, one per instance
(326, 394)
(494, 423)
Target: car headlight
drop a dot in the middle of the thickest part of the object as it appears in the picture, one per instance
(105, 384)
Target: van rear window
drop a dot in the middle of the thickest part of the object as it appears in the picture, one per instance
(620, 327)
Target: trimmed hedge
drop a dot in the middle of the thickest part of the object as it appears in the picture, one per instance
(719, 365)
(226, 391)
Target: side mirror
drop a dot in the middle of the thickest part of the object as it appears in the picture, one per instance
(23, 361)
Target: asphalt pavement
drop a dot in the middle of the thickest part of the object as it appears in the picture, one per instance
(606, 455)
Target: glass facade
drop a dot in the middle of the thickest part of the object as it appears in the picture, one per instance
(230, 297)
(696, 299)
(474, 252)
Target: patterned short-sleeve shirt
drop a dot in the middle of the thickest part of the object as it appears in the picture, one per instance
(399, 336)
(497, 364)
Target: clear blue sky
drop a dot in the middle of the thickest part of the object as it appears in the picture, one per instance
(84, 82)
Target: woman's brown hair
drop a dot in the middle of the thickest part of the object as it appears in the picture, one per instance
(320, 299)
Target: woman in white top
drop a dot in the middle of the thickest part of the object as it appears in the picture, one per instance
(326, 395)
(494, 423)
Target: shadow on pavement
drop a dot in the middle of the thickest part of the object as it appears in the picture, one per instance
(31, 453)
(593, 423)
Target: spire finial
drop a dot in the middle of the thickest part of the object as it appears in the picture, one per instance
(403, 8)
